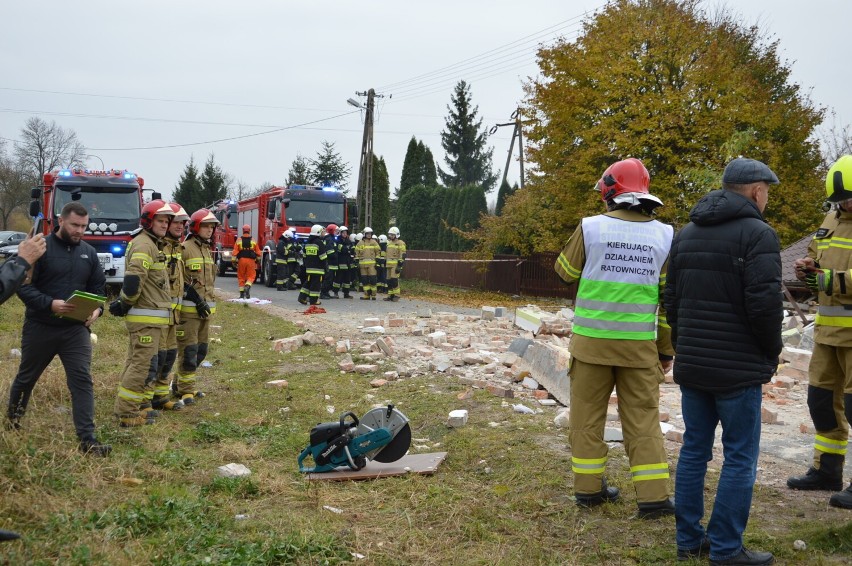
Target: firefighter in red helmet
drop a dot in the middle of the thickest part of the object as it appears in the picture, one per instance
(247, 255)
(146, 303)
(620, 339)
(197, 305)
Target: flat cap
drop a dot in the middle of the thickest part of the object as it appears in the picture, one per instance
(742, 171)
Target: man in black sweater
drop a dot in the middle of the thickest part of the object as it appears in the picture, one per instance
(69, 265)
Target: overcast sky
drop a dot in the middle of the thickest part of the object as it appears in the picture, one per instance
(170, 77)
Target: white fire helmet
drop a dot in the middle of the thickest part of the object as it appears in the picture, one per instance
(383, 239)
(359, 236)
(316, 230)
(288, 234)
(342, 229)
(394, 231)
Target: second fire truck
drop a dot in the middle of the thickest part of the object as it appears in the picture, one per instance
(297, 208)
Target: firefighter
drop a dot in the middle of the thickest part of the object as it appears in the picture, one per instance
(330, 277)
(281, 272)
(197, 305)
(146, 303)
(344, 261)
(619, 340)
(247, 254)
(314, 258)
(826, 271)
(294, 257)
(160, 391)
(395, 259)
(381, 266)
(354, 270)
(367, 250)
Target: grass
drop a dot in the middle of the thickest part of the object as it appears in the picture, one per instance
(501, 497)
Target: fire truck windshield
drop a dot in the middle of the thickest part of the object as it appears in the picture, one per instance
(120, 205)
(309, 212)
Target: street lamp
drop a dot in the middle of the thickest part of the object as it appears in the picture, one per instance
(103, 168)
(355, 103)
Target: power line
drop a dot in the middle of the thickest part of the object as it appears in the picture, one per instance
(575, 20)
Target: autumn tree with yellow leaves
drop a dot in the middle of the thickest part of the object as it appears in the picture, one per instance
(678, 87)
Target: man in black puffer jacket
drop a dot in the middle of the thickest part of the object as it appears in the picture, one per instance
(723, 302)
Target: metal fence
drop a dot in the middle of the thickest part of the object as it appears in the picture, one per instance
(511, 274)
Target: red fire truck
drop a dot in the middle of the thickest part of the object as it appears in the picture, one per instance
(114, 201)
(297, 208)
(225, 235)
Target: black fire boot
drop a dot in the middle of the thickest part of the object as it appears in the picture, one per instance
(589, 500)
(248, 291)
(242, 294)
(842, 499)
(829, 476)
(657, 509)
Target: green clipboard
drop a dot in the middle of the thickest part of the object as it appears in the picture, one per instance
(86, 304)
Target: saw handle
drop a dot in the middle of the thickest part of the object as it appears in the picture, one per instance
(343, 425)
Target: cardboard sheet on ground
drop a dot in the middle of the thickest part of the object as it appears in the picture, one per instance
(418, 463)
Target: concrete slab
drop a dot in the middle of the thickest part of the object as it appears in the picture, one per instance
(549, 366)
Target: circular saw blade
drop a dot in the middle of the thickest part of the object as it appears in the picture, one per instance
(395, 422)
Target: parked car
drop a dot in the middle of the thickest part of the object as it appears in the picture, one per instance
(9, 238)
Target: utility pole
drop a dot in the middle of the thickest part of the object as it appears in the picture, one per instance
(365, 171)
(518, 132)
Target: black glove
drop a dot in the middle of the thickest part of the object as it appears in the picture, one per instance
(399, 267)
(201, 306)
(119, 307)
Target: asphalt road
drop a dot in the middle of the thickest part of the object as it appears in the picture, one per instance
(354, 307)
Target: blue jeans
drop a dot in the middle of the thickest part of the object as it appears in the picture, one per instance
(739, 413)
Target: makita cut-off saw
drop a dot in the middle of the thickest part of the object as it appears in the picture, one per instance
(382, 435)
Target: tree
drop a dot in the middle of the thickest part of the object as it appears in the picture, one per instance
(411, 168)
(428, 172)
(836, 141)
(662, 81)
(381, 196)
(300, 171)
(15, 186)
(329, 167)
(418, 168)
(214, 183)
(505, 191)
(463, 140)
(189, 192)
(45, 147)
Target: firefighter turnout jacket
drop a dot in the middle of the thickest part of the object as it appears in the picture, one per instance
(146, 282)
(199, 270)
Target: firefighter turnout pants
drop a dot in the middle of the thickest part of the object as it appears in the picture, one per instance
(638, 407)
(311, 288)
(246, 272)
(162, 383)
(192, 339)
(281, 273)
(393, 280)
(369, 279)
(145, 354)
(830, 399)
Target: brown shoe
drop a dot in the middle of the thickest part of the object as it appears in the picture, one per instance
(126, 422)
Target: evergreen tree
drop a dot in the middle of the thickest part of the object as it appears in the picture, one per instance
(329, 167)
(444, 239)
(411, 168)
(214, 184)
(188, 191)
(464, 142)
(416, 228)
(431, 221)
(381, 196)
(504, 192)
(300, 171)
(428, 173)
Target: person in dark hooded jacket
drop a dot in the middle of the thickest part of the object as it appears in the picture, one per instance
(724, 305)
